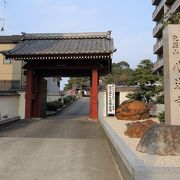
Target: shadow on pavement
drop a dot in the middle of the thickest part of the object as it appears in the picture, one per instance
(66, 127)
(71, 123)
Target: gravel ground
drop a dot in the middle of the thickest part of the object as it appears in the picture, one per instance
(150, 160)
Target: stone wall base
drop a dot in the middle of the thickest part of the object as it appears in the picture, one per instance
(131, 168)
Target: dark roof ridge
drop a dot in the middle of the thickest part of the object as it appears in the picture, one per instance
(5, 39)
(82, 35)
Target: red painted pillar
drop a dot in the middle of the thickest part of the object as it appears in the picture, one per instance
(29, 83)
(94, 95)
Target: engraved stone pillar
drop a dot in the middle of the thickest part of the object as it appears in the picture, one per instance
(171, 51)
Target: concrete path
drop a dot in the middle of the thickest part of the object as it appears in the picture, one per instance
(64, 147)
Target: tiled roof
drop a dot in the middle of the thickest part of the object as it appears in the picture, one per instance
(63, 44)
(10, 39)
(126, 88)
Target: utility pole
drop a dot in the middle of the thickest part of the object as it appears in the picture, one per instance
(4, 16)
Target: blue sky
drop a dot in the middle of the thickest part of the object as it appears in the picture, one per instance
(130, 22)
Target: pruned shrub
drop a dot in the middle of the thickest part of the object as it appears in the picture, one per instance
(67, 100)
(72, 98)
(60, 99)
(60, 104)
(160, 99)
(51, 106)
(162, 117)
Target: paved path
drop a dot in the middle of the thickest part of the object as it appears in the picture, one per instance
(78, 108)
(62, 147)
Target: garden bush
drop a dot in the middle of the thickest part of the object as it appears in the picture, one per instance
(160, 99)
(162, 117)
(67, 100)
(51, 106)
(60, 104)
(60, 99)
(72, 98)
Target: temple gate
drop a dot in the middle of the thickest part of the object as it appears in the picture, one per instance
(65, 55)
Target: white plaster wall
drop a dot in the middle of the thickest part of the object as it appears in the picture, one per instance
(13, 105)
(51, 98)
(21, 104)
(102, 107)
(102, 104)
(9, 105)
(122, 97)
(52, 87)
(159, 108)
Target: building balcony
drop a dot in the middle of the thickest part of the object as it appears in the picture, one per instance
(158, 64)
(10, 86)
(157, 31)
(155, 2)
(159, 11)
(174, 7)
(170, 2)
(158, 47)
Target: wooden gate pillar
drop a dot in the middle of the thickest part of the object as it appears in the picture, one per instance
(29, 84)
(94, 95)
(90, 101)
(37, 97)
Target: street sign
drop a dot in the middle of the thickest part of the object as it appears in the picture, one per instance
(111, 99)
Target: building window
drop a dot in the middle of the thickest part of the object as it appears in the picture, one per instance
(6, 61)
(15, 85)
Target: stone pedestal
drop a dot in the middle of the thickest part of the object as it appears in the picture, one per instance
(171, 51)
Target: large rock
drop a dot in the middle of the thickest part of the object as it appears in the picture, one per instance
(161, 140)
(138, 129)
(133, 110)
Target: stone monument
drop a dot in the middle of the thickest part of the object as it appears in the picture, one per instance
(165, 139)
(171, 50)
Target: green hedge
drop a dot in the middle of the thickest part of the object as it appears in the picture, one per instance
(60, 99)
(53, 106)
(162, 117)
(60, 104)
(69, 99)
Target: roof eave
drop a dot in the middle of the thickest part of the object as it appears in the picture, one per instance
(59, 56)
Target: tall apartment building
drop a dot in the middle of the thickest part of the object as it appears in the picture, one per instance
(163, 8)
